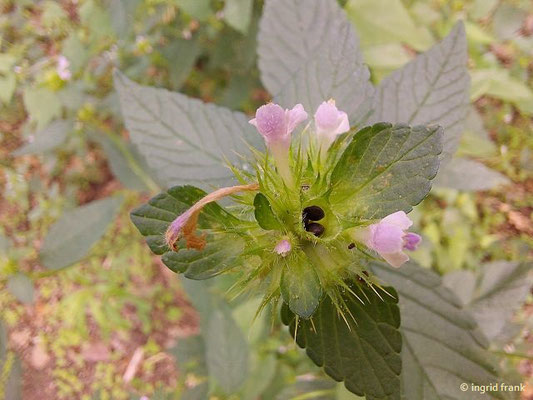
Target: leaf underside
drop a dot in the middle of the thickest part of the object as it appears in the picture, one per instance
(363, 351)
(431, 89)
(442, 348)
(309, 52)
(183, 139)
(384, 169)
(220, 253)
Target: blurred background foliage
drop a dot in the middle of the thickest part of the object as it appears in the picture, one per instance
(88, 313)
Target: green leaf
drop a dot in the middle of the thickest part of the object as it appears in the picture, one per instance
(493, 294)
(47, 139)
(476, 141)
(386, 21)
(8, 84)
(227, 350)
(238, 14)
(21, 286)
(71, 237)
(10, 368)
(189, 353)
(124, 161)
(200, 9)
(442, 348)
(76, 52)
(431, 89)
(42, 105)
(182, 139)
(222, 250)
(384, 169)
(181, 55)
(300, 285)
(469, 175)
(363, 350)
(507, 21)
(308, 53)
(263, 213)
(315, 389)
(261, 375)
(198, 392)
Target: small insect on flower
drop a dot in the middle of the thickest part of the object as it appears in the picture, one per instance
(389, 238)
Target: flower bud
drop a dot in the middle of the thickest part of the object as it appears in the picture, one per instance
(276, 125)
(283, 247)
(329, 123)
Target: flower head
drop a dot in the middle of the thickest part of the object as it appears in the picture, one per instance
(389, 238)
(283, 247)
(330, 122)
(276, 124)
(62, 68)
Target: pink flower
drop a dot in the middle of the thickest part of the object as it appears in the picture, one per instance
(276, 125)
(330, 122)
(62, 68)
(283, 247)
(389, 238)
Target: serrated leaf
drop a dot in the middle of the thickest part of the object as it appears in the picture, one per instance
(308, 53)
(227, 351)
(300, 285)
(469, 175)
(385, 168)
(47, 139)
(492, 296)
(21, 286)
(263, 213)
(183, 139)
(71, 237)
(220, 253)
(442, 348)
(365, 354)
(431, 89)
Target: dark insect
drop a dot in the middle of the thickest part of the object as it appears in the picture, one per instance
(315, 228)
(312, 213)
(351, 246)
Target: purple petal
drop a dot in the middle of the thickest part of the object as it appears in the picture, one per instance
(386, 238)
(329, 120)
(396, 259)
(399, 219)
(295, 116)
(271, 122)
(411, 241)
(283, 247)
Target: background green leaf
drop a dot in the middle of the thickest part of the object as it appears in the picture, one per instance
(72, 236)
(47, 139)
(362, 350)
(182, 139)
(308, 53)
(493, 294)
(433, 89)
(385, 168)
(21, 286)
(469, 175)
(238, 14)
(442, 348)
